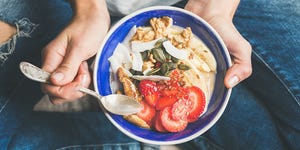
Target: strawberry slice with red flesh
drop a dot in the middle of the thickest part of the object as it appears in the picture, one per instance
(147, 113)
(190, 106)
(169, 92)
(196, 99)
(169, 96)
(165, 101)
(180, 110)
(149, 90)
(157, 124)
(151, 98)
(169, 123)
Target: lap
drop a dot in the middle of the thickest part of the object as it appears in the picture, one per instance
(35, 28)
(272, 28)
(70, 130)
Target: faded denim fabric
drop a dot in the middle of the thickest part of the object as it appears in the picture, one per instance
(263, 111)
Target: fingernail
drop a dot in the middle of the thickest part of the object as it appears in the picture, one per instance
(58, 76)
(233, 81)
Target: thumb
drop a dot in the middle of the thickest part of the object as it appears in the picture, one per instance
(236, 73)
(67, 70)
(239, 49)
(241, 58)
(61, 59)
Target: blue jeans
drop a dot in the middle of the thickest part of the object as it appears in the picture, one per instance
(263, 111)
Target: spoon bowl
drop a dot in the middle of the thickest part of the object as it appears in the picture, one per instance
(114, 103)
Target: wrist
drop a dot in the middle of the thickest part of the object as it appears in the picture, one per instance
(89, 8)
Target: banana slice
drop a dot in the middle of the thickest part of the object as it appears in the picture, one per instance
(197, 62)
(208, 57)
(137, 121)
(202, 51)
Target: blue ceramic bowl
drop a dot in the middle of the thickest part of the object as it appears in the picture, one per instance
(201, 29)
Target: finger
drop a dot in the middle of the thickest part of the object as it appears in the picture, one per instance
(62, 58)
(240, 51)
(84, 76)
(53, 53)
(56, 101)
(241, 58)
(67, 70)
(236, 74)
(70, 92)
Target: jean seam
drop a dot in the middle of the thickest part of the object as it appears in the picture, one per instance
(4, 105)
(281, 81)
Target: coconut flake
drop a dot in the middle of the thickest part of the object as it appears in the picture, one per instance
(151, 77)
(128, 37)
(173, 51)
(137, 61)
(140, 46)
(114, 64)
(120, 58)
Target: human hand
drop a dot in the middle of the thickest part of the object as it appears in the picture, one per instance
(219, 14)
(65, 56)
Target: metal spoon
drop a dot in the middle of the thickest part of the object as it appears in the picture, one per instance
(114, 103)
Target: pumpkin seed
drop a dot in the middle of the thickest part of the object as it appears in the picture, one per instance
(158, 55)
(175, 60)
(134, 72)
(158, 44)
(145, 55)
(171, 65)
(183, 67)
(168, 56)
(167, 73)
(153, 71)
(164, 68)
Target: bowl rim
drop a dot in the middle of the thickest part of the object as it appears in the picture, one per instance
(99, 53)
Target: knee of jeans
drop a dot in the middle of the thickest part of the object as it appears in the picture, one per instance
(22, 28)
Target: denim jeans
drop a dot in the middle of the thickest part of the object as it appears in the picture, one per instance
(263, 111)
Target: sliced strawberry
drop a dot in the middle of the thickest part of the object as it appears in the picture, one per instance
(147, 113)
(169, 92)
(196, 98)
(147, 87)
(157, 125)
(165, 101)
(180, 110)
(149, 90)
(152, 99)
(169, 123)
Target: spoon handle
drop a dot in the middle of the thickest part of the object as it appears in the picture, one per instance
(90, 92)
(114, 103)
(37, 74)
